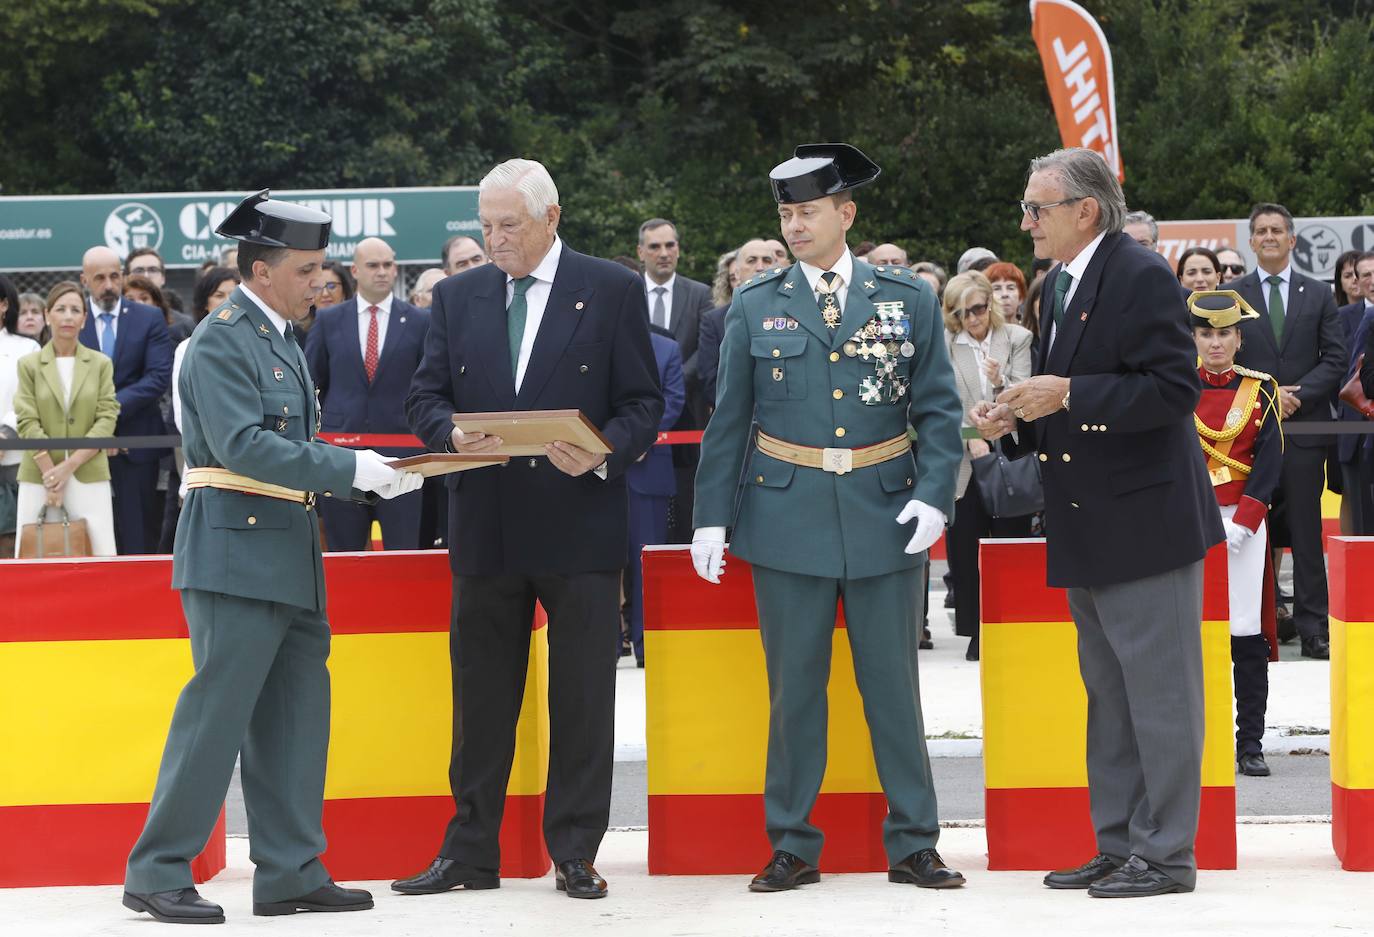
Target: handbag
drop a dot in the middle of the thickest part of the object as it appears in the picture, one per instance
(1009, 487)
(44, 538)
(1353, 393)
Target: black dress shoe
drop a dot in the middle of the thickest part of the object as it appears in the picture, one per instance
(1316, 647)
(579, 879)
(1135, 879)
(1286, 627)
(183, 906)
(444, 874)
(1253, 765)
(1099, 866)
(328, 897)
(784, 872)
(924, 869)
(971, 652)
(925, 644)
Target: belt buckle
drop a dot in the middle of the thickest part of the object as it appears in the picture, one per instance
(309, 500)
(838, 461)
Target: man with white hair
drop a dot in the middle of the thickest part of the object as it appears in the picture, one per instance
(540, 328)
(421, 294)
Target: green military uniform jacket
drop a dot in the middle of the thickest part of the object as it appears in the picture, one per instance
(804, 383)
(248, 405)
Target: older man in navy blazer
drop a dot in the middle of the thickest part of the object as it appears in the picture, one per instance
(362, 355)
(135, 336)
(540, 328)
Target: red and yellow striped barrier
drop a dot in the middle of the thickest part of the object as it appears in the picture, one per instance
(94, 714)
(1035, 718)
(707, 732)
(1352, 702)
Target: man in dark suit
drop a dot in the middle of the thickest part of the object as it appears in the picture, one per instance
(540, 328)
(652, 483)
(362, 355)
(1129, 513)
(1298, 340)
(135, 336)
(1354, 452)
(751, 259)
(677, 304)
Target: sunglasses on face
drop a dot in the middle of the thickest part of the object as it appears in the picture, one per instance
(1233, 268)
(977, 310)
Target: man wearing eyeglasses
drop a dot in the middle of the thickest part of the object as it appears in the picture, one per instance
(1232, 264)
(1129, 515)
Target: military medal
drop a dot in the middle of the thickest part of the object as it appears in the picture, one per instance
(777, 374)
(851, 349)
(908, 349)
(278, 373)
(871, 390)
(767, 325)
(791, 325)
(1233, 417)
(281, 424)
(896, 389)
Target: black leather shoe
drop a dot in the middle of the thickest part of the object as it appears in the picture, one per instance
(328, 897)
(924, 869)
(1253, 765)
(579, 879)
(784, 872)
(925, 644)
(1287, 628)
(183, 906)
(1099, 866)
(444, 874)
(971, 652)
(1135, 879)
(1316, 647)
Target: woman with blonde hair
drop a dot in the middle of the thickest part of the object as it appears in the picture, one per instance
(65, 390)
(725, 282)
(988, 355)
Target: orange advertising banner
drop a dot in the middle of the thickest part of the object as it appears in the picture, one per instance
(1175, 237)
(1078, 70)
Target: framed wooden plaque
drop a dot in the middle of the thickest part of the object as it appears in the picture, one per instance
(526, 432)
(446, 463)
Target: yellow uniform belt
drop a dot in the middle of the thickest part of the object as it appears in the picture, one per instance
(226, 480)
(838, 461)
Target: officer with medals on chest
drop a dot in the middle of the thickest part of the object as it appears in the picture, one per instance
(1238, 426)
(247, 563)
(836, 361)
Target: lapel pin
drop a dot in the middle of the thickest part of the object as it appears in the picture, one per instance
(579, 304)
(870, 285)
(263, 329)
(1083, 317)
(788, 285)
(403, 319)
(278, 373)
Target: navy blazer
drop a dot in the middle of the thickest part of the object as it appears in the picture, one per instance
(710, 336)
(593, 354)
(1313, 349)
(654, 475)
(1354, 327)
(1127, 493)
(142, 370)
(350, 404)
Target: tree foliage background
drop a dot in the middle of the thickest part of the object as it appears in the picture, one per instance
(680, 108)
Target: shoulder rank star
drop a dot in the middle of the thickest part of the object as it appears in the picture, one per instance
(263, 329)
(788, 285)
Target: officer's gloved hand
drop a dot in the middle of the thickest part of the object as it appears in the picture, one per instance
(708, 552)
(930, 523)
(1236, 534)
(372, 473)
(405, 483)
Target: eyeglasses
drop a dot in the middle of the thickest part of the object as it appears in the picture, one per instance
(329, 287)
(1034, 210)
(980, 309)
(144, 271)
(1233, 268)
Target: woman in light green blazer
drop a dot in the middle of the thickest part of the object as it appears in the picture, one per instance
(67, 389)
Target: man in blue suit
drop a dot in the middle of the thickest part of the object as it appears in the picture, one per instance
(541, 327)
(135, 337)
(652, 482)
(1354, 452)
(362, 354)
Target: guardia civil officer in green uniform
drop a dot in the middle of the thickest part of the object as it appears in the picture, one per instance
(835, 361)
(247, 562)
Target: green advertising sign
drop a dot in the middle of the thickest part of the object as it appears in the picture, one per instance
(51, 232)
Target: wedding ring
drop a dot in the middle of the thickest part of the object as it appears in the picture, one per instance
(1020, 413)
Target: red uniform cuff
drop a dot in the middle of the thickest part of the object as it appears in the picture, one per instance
(1250, 513)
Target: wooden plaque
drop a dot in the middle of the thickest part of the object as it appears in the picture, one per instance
(446, 463)
(526, 432)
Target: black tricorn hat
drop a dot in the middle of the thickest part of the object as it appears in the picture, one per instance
(1219, 309)
(261, 219)
(820, 169)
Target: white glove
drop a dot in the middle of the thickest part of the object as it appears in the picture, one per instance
(405, 483)
(708, 552)
(930, 523)
(1236, 534)
(371, 472)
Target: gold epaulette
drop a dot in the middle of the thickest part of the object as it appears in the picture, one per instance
(1249, 372)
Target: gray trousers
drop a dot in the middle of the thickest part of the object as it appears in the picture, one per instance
(1140, 653)
(260, 689)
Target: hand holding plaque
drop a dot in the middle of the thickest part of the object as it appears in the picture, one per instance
(529, 432)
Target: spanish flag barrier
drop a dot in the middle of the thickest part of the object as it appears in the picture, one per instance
(1035, 712)
(706, 697)
(89, 690)
(1352, 702)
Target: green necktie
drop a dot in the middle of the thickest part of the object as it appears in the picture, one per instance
(1061, 289)
(515, 320)
(1276, 306)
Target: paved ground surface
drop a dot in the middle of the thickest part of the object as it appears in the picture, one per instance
(1289, 884)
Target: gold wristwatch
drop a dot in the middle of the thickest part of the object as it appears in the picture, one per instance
(1065, 402)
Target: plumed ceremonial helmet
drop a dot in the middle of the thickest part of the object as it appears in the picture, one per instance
(1219, 309)
(820, 169)
(261, 219)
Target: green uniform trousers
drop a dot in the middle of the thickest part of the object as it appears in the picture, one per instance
(797, 621)
(260, 690)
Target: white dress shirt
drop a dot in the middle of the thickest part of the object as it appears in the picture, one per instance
(536, 299)
(1287, 276)
(1075, 268)
(844, 267)
(364, 317)
(652, 297)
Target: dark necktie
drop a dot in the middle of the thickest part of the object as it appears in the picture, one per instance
(830, 305)
(515, 320)
(1061, 289)
(1276, 311)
